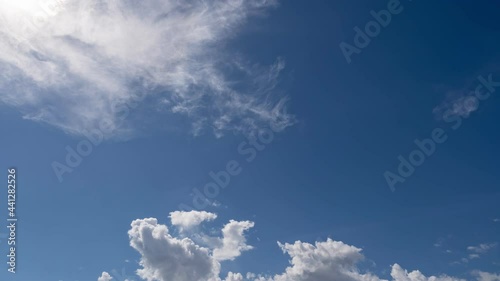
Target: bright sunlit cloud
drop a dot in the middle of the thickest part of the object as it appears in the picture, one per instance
(29, 7)
(73, 64)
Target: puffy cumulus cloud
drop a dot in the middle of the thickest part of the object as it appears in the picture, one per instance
(233, 240)
(234, 277)
(105, 277)
(83, 65)
(164, 257)
(399, 274)
(188, 220)
(323, 261)
(335, 261)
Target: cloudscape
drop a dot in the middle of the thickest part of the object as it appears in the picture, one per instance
(249, 140)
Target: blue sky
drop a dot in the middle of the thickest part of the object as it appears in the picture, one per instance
(262, 91)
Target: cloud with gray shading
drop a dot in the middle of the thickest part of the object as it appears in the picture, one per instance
(233, 242)
(166, 257)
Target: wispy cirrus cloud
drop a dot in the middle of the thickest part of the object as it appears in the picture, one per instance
(476, 252)
(482, 248)
(457, 104)
(72, 67)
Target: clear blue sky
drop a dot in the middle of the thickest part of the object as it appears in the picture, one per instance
(214, 75)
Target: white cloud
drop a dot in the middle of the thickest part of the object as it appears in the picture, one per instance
(234, 277)
(233, 240)
(476, 252)
(105, 277)
(485, 276)
(165, 257)
(335, 260)
(473, 256)
(399, 274)
(324, 261)
(457, 104)
(188, 220)
(482, 248)
(78, 62)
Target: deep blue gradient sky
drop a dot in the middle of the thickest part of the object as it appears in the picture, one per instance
(321, 178)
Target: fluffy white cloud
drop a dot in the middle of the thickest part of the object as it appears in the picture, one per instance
(399, 274)
(166, 258)
(335, 260)
(105, 277)
(83, 65)
(323, 261)
(233, 240)
(234, 277)
(188, 220)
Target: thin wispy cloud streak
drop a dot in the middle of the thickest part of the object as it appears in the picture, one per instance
(73, 68)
